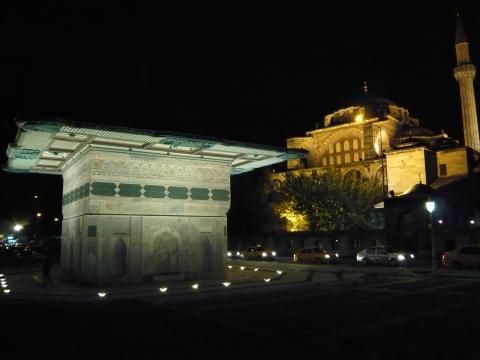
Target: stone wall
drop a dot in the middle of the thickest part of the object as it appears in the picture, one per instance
(454, 160)
(406, 168)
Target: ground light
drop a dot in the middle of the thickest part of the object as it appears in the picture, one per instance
(279, 272)
(256, 269)
(6, 291)
(242, 268)
(226, 284)
(102, 294)
(163, 289)
(229, 266)
(267, 280)
(195, 286)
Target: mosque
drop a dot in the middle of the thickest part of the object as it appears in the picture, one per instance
(377, 139)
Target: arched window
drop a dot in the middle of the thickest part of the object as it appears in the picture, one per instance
(355, 144)
(324, 161)
(339, 159)
(353, 174)
(355, 156)
(346, 145)
(379, 175)
(332, 160)
(347, 158)
(330, 148)
(338, 147)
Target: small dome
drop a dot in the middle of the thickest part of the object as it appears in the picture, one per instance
(413, 131)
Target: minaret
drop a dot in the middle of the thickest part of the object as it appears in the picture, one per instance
(465, 73)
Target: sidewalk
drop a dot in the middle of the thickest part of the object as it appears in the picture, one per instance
(23, 286)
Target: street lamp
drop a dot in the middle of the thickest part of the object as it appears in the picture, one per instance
(17, 227)
(430, 205)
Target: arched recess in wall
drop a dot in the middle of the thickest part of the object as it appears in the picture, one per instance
(354, 174)
(381, 141)
(379, 176)
(337, 137)
(119, 255)
(165, 251)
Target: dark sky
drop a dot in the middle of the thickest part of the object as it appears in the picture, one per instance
(257, 73)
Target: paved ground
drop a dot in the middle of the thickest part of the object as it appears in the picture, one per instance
(377, 313)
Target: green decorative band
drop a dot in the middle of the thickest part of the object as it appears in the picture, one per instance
(149, 191)
(26, 154)
(130, 190)
(154, 191)
(199, 194)
(177, 192)
(14, 170)
(76, 194)
(220, 194)
(103, 188)
(188, 142)
(43, 126)
(86, 189)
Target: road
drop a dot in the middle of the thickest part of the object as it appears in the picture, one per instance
(362, 315)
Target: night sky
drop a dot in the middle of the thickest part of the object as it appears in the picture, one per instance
(256, 73)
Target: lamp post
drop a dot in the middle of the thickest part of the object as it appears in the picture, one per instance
(430, 205)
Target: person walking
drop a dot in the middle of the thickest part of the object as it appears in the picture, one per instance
(46, 269)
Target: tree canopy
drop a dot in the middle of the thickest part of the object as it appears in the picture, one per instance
(326, 201)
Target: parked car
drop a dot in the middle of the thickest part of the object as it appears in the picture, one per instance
(234, 254)
(384, 255)
(258, 252)
(462, 256)
(314, 255)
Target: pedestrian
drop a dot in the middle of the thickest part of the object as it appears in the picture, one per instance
(46, 268)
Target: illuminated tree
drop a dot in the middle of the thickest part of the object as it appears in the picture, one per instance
(326, 201)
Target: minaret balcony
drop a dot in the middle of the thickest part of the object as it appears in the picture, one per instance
(465, 71)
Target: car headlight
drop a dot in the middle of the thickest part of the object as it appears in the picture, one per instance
(336, 255)
(412, 256)
(274, 253)
(264, 254)
(238, 253)
(229, 253)
(327, 256)
(400, 257)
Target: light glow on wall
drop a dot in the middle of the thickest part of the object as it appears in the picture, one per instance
(295, 222)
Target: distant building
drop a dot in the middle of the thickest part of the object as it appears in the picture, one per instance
(375, 138)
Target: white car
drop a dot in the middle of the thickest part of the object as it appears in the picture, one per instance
(384, 255)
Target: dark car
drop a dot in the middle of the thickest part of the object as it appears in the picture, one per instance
(315, 255)
(462, 256)
(15, 249)
(234, 254)
(384, 255)
(258, 252)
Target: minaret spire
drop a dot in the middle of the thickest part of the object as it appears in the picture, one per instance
(460, 32)
(464, 73)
